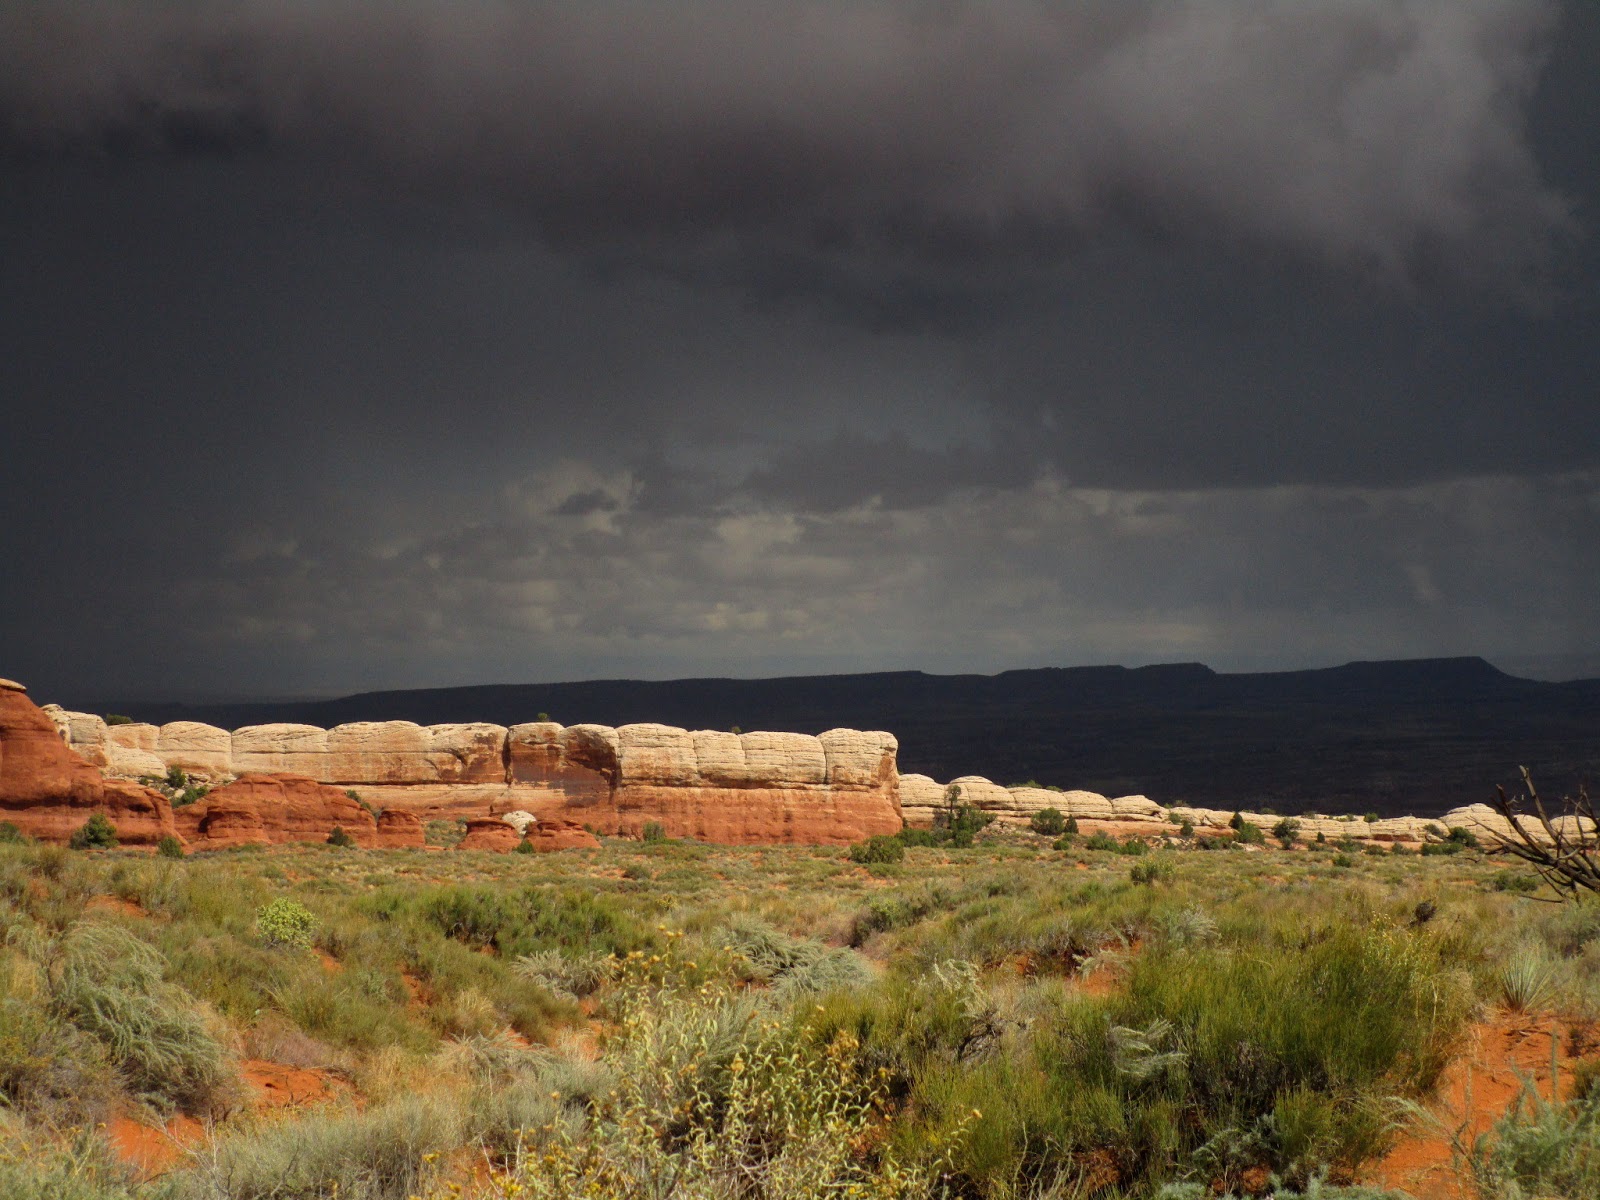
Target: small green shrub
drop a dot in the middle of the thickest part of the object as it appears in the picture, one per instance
(1065, 842)
(1102, 841)
(1513, 881)
(119, 719)
(653, 833)
(1541, 1149)
(1186, 830)
(1237, 821)
(1527, 979)
(1133, 846)
(880, 848)
(1371, 818)
(1344, 861)
(1048, 822)
(1287, 831)
(10, 834)
(524, 847)
(1072, 827)
(177, 778)
(567, 975)
(340, 838)
(97, 833)
(190, 795)
(111, 985)
(444, 833)
(382, 1153)
(1249, 834)
(169, 847)
(285, 922)
(795, 966)
(1152, 870)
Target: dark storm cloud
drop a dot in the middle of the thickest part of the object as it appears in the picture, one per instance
(1372, 133)
(392, 344)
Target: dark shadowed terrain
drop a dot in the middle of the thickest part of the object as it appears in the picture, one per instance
(1416, 736)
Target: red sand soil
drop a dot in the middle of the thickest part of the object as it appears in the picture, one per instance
(152, 1150)
(274, 1085)
(115, 904)
(1475, 1091)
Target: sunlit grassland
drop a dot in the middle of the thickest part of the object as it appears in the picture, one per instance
(1005, 1020)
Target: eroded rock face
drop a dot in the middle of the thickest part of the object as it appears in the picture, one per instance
(548, 836)
(272, 809)
(399, 830)
(48, 791)
(490, 833)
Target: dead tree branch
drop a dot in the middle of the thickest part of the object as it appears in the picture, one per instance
(1565, 851)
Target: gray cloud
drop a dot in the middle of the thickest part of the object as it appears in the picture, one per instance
(980, 579)
(1374, 134)
(419, 343)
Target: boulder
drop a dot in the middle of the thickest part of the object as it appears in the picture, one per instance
(519, 820)
(546, 836)
(270, 809)
(490, 833)
(399, 830)
(48, 791)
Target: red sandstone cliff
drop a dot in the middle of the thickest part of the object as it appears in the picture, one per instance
(48, 792)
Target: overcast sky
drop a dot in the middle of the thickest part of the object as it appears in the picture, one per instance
(401, 344)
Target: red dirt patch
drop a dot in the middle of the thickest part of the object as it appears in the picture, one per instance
(277, 1086)
(1474, 1092)
(152, 1150)
(115, 904)
(330, 964)
(416, 991)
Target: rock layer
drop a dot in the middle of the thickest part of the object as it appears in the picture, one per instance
(837, 787)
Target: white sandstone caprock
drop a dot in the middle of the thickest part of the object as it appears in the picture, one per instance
(657, 754)
(281, 747)
(784, 759)
(194, 746)
(859, 758)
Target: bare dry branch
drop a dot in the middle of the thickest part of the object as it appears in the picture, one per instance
(1567, 856)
